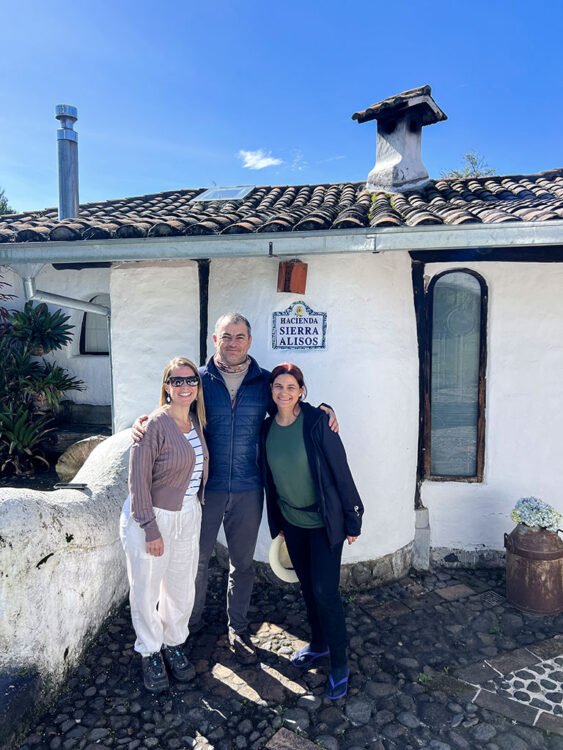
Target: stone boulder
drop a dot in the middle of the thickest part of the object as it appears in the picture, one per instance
(74, 457)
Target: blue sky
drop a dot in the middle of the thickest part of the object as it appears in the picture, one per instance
(193, 94)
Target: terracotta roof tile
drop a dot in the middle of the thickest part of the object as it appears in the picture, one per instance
(308, 208)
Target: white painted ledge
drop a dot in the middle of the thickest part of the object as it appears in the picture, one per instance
(62, 567)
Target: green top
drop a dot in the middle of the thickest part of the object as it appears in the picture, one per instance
(287, 459)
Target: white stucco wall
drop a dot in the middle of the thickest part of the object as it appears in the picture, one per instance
(62, 566)
(155, 317)
(524, 411)
(368, 372)
(94, 370)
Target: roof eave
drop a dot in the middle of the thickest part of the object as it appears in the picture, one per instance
(383, 239)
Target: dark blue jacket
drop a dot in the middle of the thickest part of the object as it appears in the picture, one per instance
(338, 500)
(233, 430)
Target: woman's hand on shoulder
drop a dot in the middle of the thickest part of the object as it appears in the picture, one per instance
(139, 428)
(156, 548)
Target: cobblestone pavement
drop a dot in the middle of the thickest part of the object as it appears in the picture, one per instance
(438, 660)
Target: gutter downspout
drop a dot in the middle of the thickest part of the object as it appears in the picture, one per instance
(32, 293)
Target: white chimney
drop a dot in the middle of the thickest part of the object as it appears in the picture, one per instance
(67, 142)
(400, 119)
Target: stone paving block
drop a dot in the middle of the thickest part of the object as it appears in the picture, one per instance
(477, 674)
(507, 707)
(476, 584)
(283, 739)
(513, 661)
(458, 591)
(414, 588)
(423, 601)
(548, 649)
(384, 611)
(550, 723)
(452, 686)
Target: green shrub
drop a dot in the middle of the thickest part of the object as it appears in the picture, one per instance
(31, 390)
(42, 330)
(21, 436)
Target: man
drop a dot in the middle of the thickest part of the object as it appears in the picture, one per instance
(237, 398)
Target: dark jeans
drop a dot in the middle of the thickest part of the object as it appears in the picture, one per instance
(240, 514)
(318, 568)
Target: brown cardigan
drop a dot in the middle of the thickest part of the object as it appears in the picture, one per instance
(160, 469)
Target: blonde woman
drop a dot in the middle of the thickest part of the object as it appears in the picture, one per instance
(161, 521)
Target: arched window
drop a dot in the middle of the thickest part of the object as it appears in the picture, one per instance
(94, 336)
(455, 388)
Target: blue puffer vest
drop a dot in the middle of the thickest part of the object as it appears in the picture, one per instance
(233, 432)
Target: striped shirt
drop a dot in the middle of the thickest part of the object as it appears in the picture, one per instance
(193, 438)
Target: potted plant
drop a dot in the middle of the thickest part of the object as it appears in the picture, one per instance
(534, 513)
(534, 557)
(49, 386)
(43, 331)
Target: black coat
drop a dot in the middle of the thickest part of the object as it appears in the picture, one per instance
(339, 503)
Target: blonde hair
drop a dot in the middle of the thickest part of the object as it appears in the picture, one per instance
(198, 405)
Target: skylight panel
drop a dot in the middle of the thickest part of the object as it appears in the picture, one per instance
(235, 193)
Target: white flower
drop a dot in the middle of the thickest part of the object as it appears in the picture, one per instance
(531, 511)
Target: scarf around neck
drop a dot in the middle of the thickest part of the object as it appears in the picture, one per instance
(232, 369)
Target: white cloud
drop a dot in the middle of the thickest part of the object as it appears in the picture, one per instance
(331, 158)
(258, 159)
(299, 162)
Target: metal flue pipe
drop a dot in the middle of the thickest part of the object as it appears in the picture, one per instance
(67, 143)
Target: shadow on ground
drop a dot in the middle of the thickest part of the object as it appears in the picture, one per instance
(436, 662)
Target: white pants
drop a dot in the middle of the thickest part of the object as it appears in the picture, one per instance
(167, 581)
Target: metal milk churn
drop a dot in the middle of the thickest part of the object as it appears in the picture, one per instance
(534, 570)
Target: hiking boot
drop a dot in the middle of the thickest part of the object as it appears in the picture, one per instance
(154, 673)
(180, 668)
(242, 647)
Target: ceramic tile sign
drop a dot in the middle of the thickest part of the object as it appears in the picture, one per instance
(299, 327)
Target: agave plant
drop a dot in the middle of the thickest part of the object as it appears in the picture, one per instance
(21, 438)
(42, 330)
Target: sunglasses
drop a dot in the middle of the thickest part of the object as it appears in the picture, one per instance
(176, 382)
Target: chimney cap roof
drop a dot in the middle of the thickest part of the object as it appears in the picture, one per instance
(66, 111)
(419, 100)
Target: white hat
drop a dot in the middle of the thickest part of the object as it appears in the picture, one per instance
(280, 561)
